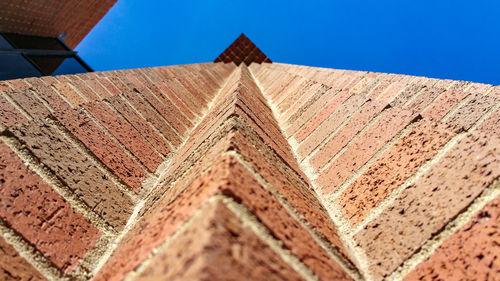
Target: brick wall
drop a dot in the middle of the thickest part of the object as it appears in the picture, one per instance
(408, 167)
(272, 171)
(51, 18)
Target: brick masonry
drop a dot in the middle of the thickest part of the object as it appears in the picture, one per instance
(217, 171)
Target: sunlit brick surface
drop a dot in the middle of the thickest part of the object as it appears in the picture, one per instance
(243, 169)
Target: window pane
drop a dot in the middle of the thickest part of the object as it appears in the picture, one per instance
(4, 45)
(47, 64)
(16, 66)
(69, 66)
(34, 42)
(58, 65)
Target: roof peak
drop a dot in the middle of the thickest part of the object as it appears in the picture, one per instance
(242, 50)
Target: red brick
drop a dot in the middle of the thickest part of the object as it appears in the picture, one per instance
(392, 91)
(443, 104)
(379, 88)
(324, 114)
(290, 90)
(71, 95)
(290, 101)
(153, 117)
(406, 94)
(226, 176)
(120, 82)
(425, 207)
(98, 88)
(167, 103)
(51, 225)
(424, 98)
(478, 88)
(169, 114)
(299, 195)
(49, 80)
(9, 115)
(141, 125)
(200, 84)
(296, 122)
(313, 93)
(176, 100)
(364, 148)
(218, 247)
(326, 128)
(392, 168)
(126, 134)
(19, 84)
(105, 148)
(491, 124)
(193, 88)
(76, 171)
(469, 113)
(83, 88)
(363, 84)
(109, 86)
(14, 267)
(357, 122)
(194, 104)
(29, 103)
(471, 253)
(53, 99)
(4, 86)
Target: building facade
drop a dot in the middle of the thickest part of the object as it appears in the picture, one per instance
(247, 169)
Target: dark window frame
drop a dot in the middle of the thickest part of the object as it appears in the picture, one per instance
(66, 53)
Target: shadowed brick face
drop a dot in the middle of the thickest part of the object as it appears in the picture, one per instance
(51, 225)
(241, 169)
(14, 267)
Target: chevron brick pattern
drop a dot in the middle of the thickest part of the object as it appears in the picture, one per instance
(220, 171)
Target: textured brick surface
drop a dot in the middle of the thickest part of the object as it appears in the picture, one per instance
(443, 104)
(169, 114)
(426, 206)
(76, 170)
(393, 168)
(123, 123)
(468, 114)
(32, 208)
(141, 125)
(326, 128)
(153, 117)
(364, 148)
(83, 88)
(126, 134)
(69, 93)
(296, 122)
(29, 103)
(471, 253)
(9, 115)
(217, 246)
(14, 267)
(105, 148)
(341, 138)
(175, 99)
(53, 99)
(324, 114)
(300, 197)
(227, 177)
(491, 124)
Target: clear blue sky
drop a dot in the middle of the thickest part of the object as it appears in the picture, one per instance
(453, 39)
